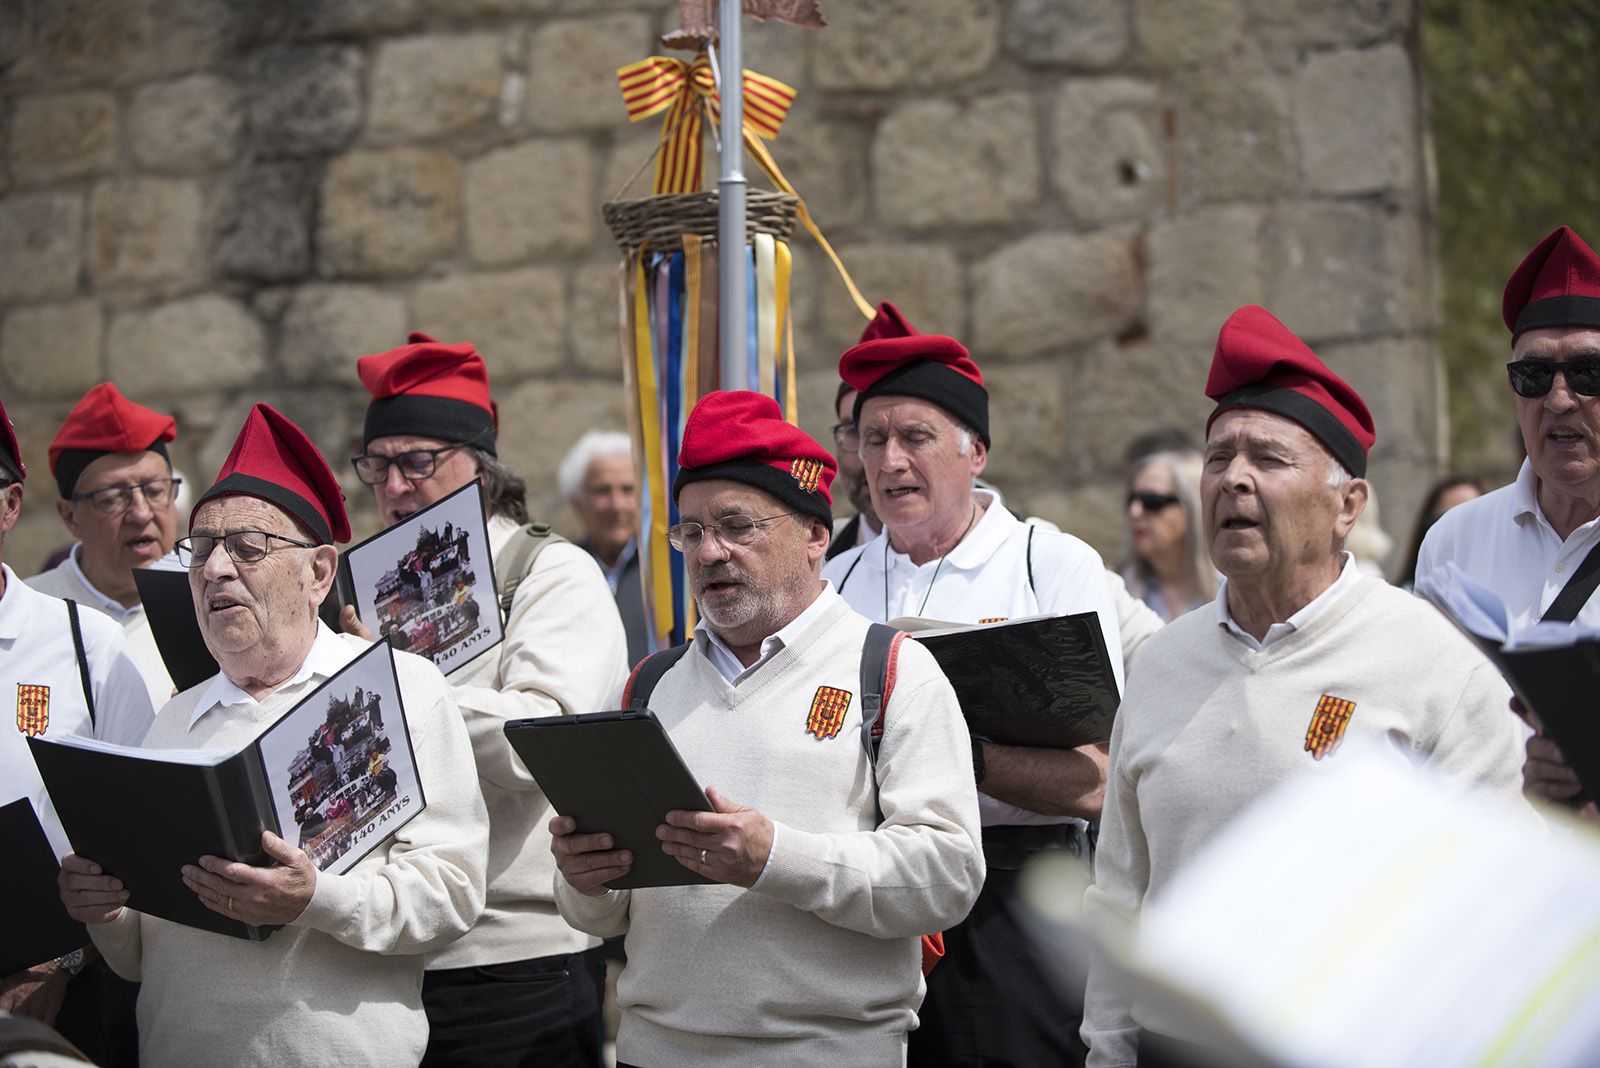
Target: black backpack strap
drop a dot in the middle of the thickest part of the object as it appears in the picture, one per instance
(851, 570)
(880, 655)
(1576, 593)
(83, 658)
(1031, 587)
(636, 692)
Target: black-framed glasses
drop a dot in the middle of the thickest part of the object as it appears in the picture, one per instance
(415, 465)
(243, 546)
(1534, 378)
(114, 500)
(1152, 502)
(847, 437)
(733, 530)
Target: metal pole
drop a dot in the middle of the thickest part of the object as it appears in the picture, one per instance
(732, 292)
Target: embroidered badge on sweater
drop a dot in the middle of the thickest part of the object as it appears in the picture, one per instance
(993, 619)
(827, 712)
(1327, 727)
(33, 708)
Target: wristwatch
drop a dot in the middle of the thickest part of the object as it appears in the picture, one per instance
(979, 768)
(71, 963)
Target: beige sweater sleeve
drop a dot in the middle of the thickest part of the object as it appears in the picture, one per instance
(1121, 875)
(427, 886)
(564, 653)
(603, 917)
(119, 942)
(921, 870)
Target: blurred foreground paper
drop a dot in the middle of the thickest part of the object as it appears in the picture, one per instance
(1368, 917)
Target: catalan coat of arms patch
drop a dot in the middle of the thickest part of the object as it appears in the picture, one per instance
(33, 708)
(1327, 726)
(827, 712)
(807, 473)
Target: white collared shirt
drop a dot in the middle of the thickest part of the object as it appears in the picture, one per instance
(1503, 541)
(328, 654)
(729, 666)
(1349, 575)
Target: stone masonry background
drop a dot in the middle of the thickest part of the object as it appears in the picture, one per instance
(218, 202)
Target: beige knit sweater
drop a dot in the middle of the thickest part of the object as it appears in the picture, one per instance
(564, 653)
(1208, 726)
(342, 985)
(818, 963)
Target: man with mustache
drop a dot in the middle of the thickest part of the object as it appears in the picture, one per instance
(950, 550)
(120, 500)
(1536, 542)
(341, 982)
(827, 866)
(1300, 651)
(522, 986)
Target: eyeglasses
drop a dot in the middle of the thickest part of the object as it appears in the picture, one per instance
(733, 530)
(415, 465)
(243, 546)
(114, 500)
(1534, 378)
(1152, 502)
(847, 437)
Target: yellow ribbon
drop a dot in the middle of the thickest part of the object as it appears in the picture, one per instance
(687, 92)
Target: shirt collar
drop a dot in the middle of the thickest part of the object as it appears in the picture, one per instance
(723, 658)
(110, 605)
(328, 654)
(1525, 493)
(1349, 575)
(973, 550)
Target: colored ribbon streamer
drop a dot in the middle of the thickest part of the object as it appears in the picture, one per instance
(687, 92)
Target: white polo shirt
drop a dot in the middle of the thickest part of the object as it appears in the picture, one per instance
(985, 578)
(36, 651)
(1504, 541)
(67, 579)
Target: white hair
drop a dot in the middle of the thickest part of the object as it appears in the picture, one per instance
(964, 439)
(593, 445)
(1338, 475)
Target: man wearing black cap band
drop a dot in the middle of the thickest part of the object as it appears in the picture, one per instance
(1536, 542)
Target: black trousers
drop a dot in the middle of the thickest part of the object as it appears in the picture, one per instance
(543, 1012)
(97, 1016)
(992, 1003)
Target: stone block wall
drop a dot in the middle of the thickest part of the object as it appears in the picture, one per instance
(216, 202)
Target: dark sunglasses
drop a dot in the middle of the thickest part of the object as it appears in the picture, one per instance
(1152, 502)
(1534, 378)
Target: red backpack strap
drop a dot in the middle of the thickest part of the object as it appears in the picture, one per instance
(647, 672)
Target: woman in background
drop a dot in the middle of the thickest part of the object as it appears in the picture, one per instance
(1446, 493)
(1166, 564)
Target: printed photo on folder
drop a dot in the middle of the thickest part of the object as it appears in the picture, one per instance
(427, 583)
(617, 773)
(1037, 681)
(335, 776)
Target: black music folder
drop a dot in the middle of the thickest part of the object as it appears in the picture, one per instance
(617, 773)
(34, 925)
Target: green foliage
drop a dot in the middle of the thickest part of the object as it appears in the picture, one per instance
(1514, 93)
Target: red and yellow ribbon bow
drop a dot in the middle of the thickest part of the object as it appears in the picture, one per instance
(687, 91)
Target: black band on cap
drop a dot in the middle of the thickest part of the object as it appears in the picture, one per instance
(70, 465)
(444, 418)
(1335, 437)
(1558, 311)
(773, 480)
(299, 509)
(932, 381)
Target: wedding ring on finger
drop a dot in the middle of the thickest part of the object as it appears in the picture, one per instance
(702, 856)
(230, 903)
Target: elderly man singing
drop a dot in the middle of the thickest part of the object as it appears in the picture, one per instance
(825, 867)
(1299, 651)
(341, 983)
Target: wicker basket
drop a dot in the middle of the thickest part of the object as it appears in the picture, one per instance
(663, 220)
